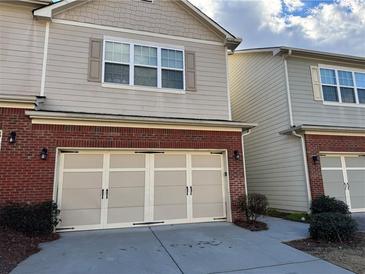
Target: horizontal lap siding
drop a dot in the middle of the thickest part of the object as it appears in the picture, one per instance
(67, 88)
(308, 111)
(273, 161)
(21, 50)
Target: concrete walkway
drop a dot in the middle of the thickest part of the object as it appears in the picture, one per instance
(195, 248)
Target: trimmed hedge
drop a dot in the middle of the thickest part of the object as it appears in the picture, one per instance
(332, 226)
(37, 219)
(324, 204)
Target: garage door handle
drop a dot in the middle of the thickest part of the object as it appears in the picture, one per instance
(102, 194)
(191, 190)
(107, 194)
(187, 191)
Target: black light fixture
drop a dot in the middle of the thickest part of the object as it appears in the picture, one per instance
(237, 155)
(44, 154)
(12, 137)
(315, 159)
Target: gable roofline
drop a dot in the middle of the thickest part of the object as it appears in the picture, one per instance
(304, 52)
(231, 41)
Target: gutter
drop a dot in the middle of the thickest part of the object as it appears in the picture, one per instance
(293, 132)
(244, 134)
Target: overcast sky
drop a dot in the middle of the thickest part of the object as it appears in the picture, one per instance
(333, 25)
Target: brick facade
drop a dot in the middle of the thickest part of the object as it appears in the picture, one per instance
(24, 177)
(329, 143)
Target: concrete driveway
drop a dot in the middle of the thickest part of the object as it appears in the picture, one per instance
(195, 248)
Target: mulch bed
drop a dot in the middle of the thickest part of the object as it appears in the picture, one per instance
(349, 255)
(15, 247)
(253, 226)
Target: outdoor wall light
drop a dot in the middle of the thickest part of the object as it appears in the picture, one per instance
(315, 159)
(237, 155)
(44, 154)
(12, 137)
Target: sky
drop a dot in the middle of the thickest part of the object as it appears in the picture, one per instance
(333, 25)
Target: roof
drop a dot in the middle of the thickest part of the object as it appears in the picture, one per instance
(127, 119)
(231, 41)
(323, 128)
(306, 52)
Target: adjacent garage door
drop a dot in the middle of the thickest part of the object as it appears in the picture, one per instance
(124, 189)
(344, 179)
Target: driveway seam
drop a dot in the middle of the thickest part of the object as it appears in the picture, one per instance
(168, 253)
(266, 266)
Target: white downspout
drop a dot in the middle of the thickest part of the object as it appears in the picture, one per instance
(244, 134)
(44, 65)
(291, 119)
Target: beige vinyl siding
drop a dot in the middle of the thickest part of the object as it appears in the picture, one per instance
(67, 88)
(274, 162)
(21, 50)
(308, 111)
(161, 16)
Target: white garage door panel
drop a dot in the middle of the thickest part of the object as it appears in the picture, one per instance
(334, 185)
(344, 179)
(119, 189)
(127, 160)
(125, 215)
(82, 180)
(80, 217)
(357, 188)
(209, 161)
(81, 161)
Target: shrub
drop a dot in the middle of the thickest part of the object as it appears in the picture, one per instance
(253, 205)
(330, 226)
(327, 204)
(38, 219)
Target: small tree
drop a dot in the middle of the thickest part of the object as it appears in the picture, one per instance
(253, 205)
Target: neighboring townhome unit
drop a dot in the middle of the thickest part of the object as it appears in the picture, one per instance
(119, 111)
(310, 110)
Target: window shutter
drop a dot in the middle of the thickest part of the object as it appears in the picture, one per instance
(95, 60)
(316, 83)
(190, 73)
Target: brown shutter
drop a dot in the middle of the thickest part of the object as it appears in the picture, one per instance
(316, 83)
(190, 73)
(95, 59)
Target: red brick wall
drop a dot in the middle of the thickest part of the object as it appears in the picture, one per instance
(320, 143)
(24, 177)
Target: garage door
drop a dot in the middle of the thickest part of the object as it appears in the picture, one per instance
(124, 189)
(344, 179)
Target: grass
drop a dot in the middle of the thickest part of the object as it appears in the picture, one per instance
(301, 217)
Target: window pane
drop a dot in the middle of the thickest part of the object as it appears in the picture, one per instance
(360, 79)
(145, 56)
(145, 76)
(172, 79)
(330, 93)
(345, 78)
(115, 73)
(172, 58)
(328, 76)
(117, 52)
(361, 95)
(348, 95)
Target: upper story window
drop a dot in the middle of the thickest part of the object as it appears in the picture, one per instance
(143, 65)
(343, 86)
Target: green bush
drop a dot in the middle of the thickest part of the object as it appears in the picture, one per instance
(330, 226)
(254, 205)
(37, 219)
(324, 204)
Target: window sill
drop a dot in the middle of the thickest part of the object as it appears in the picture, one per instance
(143, 88)
(344, 104)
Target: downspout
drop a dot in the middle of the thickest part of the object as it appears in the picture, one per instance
(244, 134)
(294, 133)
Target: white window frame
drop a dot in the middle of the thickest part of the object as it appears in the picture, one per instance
(159, 67)
(338, 86)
